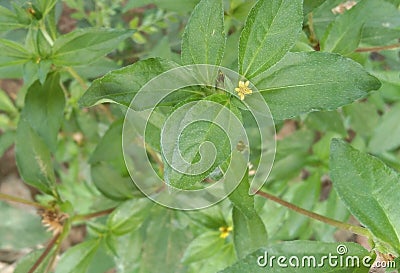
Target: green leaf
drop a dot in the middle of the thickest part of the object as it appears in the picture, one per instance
(203, 247)
(121, 85)
(165, 239)
(305, 195)
(6, 140)
(44, 109)
(10, 20)
(249, 232)
(33, 158)
(270, 31)
(109, 148)
(96, 69)
(363, 118)
(323, 16)
(304, 251)
(312, 81)
(13, 53)
(111, 183)
(6, 103)
(190, 138)
(386, 136)
(333, 208)
(78, 258)
(26, 262)
(20, 229)
(382, 25)
(129, 216)
(221, 259)
(182, 7)
(310, 5)
(344, 34)
(83, 46)
(326, 121)
(128, 248)
(369, 189)
(46, 5)
(203, 41)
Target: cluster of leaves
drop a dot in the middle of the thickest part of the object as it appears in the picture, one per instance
(305, 60)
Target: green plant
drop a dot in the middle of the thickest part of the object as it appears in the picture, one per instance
(310, 61)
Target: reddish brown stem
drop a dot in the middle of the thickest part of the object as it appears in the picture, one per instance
(93, 215)
(45, 253)
(377, 48)
(355, 229)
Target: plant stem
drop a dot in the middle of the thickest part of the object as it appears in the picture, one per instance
(93, 215)
(46, 34)
(53, 259)
(155, 157)
(45, 253)
(313, 38)
(84, 86)
(377, 48)
(355, 229)
(76, 76)
(11, 198)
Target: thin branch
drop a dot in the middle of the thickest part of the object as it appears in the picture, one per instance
(355, 229)
(93, 215)
(45, 253)
(76, 76)
(11, 198)
(377, 48)
(313, 37)
(84, 86)
(52, 261)
(155, 157)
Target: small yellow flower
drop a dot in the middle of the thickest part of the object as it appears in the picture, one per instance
(243, 89)
(225, 231)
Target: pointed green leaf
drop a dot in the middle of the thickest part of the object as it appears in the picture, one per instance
(33, 158)
(195, 134)
(203, 247)
(296, 253)
(6, 103)
(270, 31)
(83, 46)
(249, 232)
(344, 34)
(203, 41)
(199, 132)
(9, 20)
(78, 258)
(111, 183)
(6, 140)
(386, 135)
(369, 189)
(129, 216)
(121, 85)
(311, 81)
(165, 239)
(12, 53)
(44, 109)
(310, 5)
